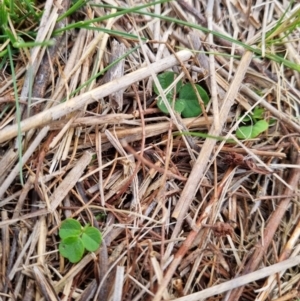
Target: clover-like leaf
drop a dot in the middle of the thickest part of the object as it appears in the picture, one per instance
(71, 248)
(75, 239)
(244, 132)
(258, 113)
(252, 131)
(178, 105)
(259, 127)
(188, 95)
(91, 239)
(166, 79)
(69, 227)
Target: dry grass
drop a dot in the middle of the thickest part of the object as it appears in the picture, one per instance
(182, 218)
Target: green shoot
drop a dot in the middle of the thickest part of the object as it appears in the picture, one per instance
(75, 239)
(203, 135)
(256, 125)
(254, 49)
(187, 102)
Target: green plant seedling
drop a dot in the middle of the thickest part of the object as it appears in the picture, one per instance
(204, 135)
(187, 102)
(252, 131)
(257, 126)
(166, 79)
(189, 97)
(258, 114)
(100, 216)
(76, 239)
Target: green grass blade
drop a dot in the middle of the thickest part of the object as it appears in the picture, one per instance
(121, 11)
(21, 44)
(255, 50)
(115, 32)
(202, 135)
(74, 8)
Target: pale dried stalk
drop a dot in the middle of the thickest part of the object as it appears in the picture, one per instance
(58, 287)
(197, 172)
(7, 162)
(200, 165)
(235, 36)
(69, 181)
(162, 47)
(240, 281)
(212, 69)
(81, 70)
(24, 194)
(215, 202)
(115, 72)
(134, 134)
(273, 223)
(270, 283)
(157, 25)
(6, 246)
(80, 101)
(63, 80)
(9, 82)
(264, 31)
(70, 69)
(37, 141)
(41, 248)
(24, 217)
(254, 151)
(255, 14)
(117, 296)
(39, 65)
(45, 286)
(99, 157)
(48, 20)
(158, 273)
(30, 243)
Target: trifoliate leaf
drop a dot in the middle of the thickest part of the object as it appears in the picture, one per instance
(72, 248)
(192, 107)
(91, 239)
(69, 227)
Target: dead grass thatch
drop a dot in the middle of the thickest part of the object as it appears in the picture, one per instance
(182, 218)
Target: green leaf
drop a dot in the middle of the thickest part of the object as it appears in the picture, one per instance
(71, 248)
(272, 121)
(252, 131)
(246, 119)
(192, 106)
(2, 54)
(244, 132)
(69, 227)
(3, 15)
(166, 79)
(100, 216)
(259, 127)
(178, 105)
(10, 35)
(91, 239)
(75, 7)
(258, 113)
(202, 135)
